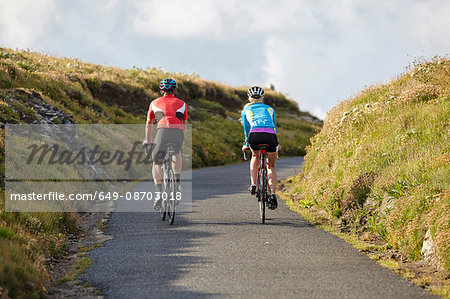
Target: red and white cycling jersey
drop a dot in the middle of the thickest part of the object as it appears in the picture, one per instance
(168, 111)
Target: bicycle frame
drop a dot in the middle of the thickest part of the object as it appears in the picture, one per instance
(262, 169)
(262, 181)
(168, 204)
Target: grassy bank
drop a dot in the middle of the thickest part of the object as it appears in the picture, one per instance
(27, 242)
(380, 165)
(89, 93)
(101, 94)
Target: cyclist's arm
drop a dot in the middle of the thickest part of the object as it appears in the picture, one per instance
(246, 125)
(185, 120)
(149, 129)
(275, 126)
(274, 122)
(149, 124)
(184, 127)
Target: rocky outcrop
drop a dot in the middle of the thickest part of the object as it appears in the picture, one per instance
(25, 106)
(28, 107)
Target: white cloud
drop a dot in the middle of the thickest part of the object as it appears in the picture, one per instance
(274, 67)
(23, 21)
(268, 17)
(316, 51)
(174, 19)
(341, 46)
(429, 23)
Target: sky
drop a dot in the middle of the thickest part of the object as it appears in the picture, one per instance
(317, 52)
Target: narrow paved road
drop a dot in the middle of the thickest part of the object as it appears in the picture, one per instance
(220, 249)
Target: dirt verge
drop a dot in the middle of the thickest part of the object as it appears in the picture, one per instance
(64, 271)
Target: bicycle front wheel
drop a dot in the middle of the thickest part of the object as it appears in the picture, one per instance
(171, 197)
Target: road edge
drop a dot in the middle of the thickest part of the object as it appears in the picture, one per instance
(420, 273)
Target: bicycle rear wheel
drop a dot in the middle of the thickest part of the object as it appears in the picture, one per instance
(163, 194)
(171, 197)
(262, 211)
(262, 194)
(162, 210)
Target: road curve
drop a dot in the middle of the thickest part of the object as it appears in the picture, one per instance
(220, 249)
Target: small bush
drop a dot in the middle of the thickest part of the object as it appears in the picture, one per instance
(421, 92)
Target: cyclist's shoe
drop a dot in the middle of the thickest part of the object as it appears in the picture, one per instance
(177, 186)
(273, 204)
(252, 190)
(157, 204)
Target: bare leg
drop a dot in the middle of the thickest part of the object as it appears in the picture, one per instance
(157, 174)
(272, 157)
(177, 163)
(158, 179)
(254, 167)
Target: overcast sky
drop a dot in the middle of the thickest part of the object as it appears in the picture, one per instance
(317, 52)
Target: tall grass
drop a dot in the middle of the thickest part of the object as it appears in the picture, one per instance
(382, 161)
(27, 241)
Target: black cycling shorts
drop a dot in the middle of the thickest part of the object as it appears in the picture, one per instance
(255, 139)
(162, 138)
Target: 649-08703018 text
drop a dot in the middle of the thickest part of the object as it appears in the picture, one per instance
(100, 196)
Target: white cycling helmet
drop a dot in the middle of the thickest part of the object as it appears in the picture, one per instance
(255, 92)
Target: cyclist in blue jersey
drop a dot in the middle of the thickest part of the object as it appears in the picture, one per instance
(260, 127)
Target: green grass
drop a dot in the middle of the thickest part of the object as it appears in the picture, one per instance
(382, 162)
(78, 269)
(389, 263)
(25, 240)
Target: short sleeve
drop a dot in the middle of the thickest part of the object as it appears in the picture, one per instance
(185, 113)
(151, 113)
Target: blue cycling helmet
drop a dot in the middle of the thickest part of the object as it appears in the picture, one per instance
(168, 85)
(255, 92)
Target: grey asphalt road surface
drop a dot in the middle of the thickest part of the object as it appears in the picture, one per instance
(220, 249)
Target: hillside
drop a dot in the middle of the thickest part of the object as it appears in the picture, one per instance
(380, 166)
(37, 88)
(100, 94)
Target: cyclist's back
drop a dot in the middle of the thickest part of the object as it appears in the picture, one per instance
(168, 112)
(259, 117)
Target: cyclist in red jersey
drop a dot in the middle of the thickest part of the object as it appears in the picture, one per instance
(170, 115)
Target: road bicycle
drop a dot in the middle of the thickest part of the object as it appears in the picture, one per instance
(262, 182)
(169, 194)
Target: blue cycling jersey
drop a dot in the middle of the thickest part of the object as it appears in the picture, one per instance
(258, 116)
